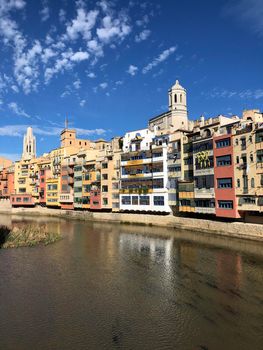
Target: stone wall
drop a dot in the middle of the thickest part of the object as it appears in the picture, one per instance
(231, 229)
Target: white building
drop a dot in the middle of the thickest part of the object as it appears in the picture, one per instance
(29, 145)
(144, 173)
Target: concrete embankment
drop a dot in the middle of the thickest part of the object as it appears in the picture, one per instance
(230, 229)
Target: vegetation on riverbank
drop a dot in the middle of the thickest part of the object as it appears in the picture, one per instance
(27, 236)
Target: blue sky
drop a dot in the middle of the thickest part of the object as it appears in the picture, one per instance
(107, 65)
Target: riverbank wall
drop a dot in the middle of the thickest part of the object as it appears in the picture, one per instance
(230, 229)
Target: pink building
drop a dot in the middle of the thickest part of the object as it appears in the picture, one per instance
(225, 196)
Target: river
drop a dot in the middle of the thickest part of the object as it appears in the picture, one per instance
(110, 286)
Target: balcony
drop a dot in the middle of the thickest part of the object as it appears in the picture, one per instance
(66, 198)
(204, 192)
(205, 210)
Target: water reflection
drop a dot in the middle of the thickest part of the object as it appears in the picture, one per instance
(127, 287)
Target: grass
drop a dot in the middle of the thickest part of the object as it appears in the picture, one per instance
(27, 236)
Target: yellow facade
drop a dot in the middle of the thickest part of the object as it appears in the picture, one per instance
(52, 191)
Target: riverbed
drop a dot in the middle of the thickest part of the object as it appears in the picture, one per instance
(113, 286)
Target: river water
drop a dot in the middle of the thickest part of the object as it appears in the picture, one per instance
(109, 286)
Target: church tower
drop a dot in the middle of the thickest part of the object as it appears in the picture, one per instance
(178, 106)
(29, 147)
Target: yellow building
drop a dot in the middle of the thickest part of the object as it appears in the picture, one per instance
(52, 192)
(248, 160)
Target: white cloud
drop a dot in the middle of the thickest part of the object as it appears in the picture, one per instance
(243, 94)
(47, 54)
(104, 85)
(112, 28)
(95, 47)
(143, 21)
(17, 110)
(77, 84)
(82, 103)
(119, 82)
(249, 12)
(26, 67)
(19, 131)
(82, 24)
(65, 93)
(62, 15)
(44, 13)
(156, 61)
(132, 70)
(79, 56)
(91, 75)
(143, 35)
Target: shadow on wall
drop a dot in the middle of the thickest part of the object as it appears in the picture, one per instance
(4, 232)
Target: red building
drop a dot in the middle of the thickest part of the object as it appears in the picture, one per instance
(95, 199)
(6, 182)
(44, 174)
(225, 197)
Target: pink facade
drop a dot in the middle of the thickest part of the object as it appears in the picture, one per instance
(44, 174)
(95, 199)
(22, 200)
(226, 202)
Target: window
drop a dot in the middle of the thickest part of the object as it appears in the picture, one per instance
(105, 201)
(237, 159)
(144, 200)
(224, 183)
(260, 156)
(259, 136)
(243, 143)
(236, 142)
(26, 199)
(245, 182)
(238, 182)
(96, 203)
(252, 182)
(251, 158)
(104, 188)
(223, 143)
(104, 165)
(261, 180)
(158, 200)
(86, 200)
(86, 188)
(223, 160)
(225, 204)
(135, 200)
(78, 178)
(105, 176)
(77, 189)
(126, 200)
(64, 188)
(175, 98)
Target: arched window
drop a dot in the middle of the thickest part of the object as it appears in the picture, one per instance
(252, 182)
(238, 182)
(181, 98)
(175, 98)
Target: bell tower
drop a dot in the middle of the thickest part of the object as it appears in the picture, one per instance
(29, 146)
(178, 106)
